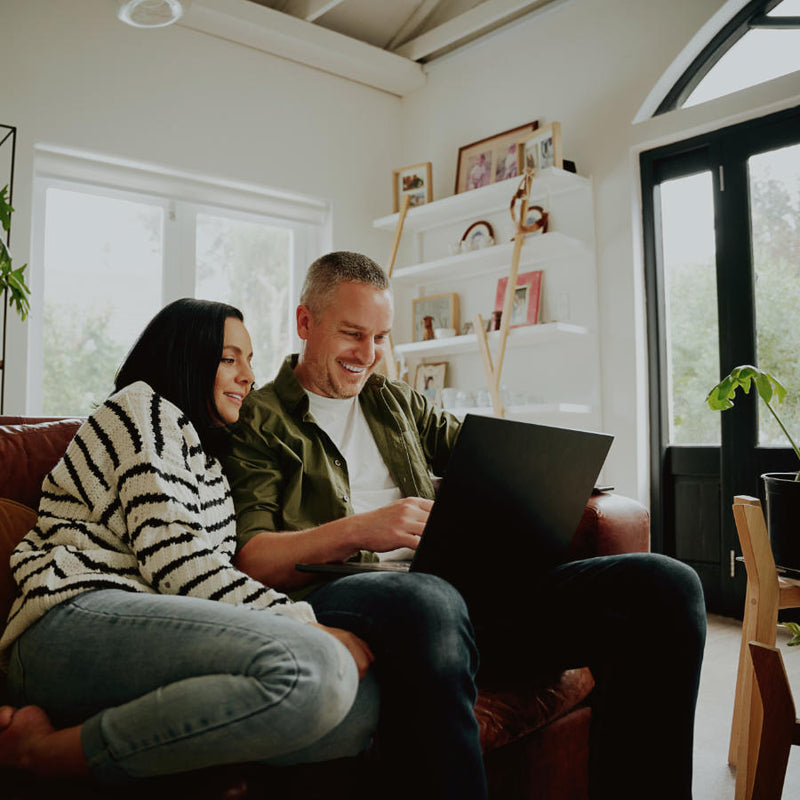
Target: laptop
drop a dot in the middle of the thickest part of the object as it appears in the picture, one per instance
(507, 508)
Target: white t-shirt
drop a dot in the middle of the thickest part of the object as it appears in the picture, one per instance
(371, 485)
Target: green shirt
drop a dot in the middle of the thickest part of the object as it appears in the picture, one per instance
(287, 474)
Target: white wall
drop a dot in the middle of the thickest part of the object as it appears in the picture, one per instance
(589, 64)
(76, 77)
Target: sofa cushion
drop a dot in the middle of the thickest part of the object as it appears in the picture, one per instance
(508, 714)
(15, 521)
(28, 451)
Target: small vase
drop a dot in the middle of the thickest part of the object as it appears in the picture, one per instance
(783, 517)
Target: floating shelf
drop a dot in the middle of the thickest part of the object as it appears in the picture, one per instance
(528, 410)
(479, 202)
(538, 248)
(525, 336)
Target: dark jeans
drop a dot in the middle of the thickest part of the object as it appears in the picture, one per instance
(638, 622)
(425, 663)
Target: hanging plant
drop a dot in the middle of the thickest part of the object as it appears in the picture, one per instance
(12, 280)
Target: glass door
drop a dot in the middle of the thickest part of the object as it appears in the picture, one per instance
(722, 249)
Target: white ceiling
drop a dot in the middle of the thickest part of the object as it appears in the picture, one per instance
(382, 43)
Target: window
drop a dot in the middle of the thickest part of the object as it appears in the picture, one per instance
(111, 257)
(760, 43)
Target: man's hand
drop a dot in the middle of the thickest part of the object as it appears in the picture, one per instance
(358, 648)
(400, 524)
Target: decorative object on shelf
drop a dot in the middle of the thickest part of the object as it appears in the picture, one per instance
(535, 221)
(497, 315)
(427, 328)
(467, 329)
(480, 234)
(542, 149)
(490, 160)
(429, 380)
(525, 305)
(443, 333)
(443, 308)
(531, 218)
(413, 182)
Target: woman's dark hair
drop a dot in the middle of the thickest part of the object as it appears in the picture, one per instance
(178, 355)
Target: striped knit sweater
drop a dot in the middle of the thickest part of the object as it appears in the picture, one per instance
(134, 504)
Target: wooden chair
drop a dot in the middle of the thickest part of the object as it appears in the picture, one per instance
(780, 729)
(766, 594)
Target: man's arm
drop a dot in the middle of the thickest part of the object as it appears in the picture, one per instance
(270, 556)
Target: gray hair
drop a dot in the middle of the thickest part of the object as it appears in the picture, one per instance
(328, 271)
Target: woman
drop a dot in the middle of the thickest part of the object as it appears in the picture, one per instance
(138, 646)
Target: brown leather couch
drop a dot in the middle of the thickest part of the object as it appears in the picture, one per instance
(535, 740)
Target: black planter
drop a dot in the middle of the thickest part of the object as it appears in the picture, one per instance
(783, 517)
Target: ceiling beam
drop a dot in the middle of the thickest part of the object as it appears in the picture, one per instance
(465, 27)
(309, 10)
(417, 17)
(296, 40)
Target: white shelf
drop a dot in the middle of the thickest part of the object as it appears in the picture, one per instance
(479, 202)
(525, 336)
(528, 410)
(537, 248)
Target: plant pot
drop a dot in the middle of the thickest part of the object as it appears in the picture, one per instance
(783, 517)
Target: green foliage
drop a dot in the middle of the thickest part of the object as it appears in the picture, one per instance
(794, 629)
(12, 280)
(721, 396)
(80, 357)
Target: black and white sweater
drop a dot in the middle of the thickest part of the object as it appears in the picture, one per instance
(134, 504)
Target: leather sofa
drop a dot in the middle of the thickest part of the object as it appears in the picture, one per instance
(535, 739)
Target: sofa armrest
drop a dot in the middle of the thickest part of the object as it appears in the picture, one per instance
(611, 524)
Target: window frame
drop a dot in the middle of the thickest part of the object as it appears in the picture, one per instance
(182, 196)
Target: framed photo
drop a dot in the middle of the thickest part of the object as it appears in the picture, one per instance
(429, 380)
(434, 311)
(525, 308)
(490, 160)
(542, 149)
(414, 181)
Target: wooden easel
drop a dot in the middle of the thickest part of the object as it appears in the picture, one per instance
(390, 363)
(494, 373)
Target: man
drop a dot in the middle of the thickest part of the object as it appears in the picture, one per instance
(332, 459)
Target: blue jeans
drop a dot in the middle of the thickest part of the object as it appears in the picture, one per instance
(165, 684)
(428, 742)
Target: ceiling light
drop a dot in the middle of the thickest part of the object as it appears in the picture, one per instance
(150, 13)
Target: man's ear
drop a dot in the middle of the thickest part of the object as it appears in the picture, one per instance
(304, 321)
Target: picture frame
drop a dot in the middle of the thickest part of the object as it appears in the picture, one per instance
(542, 149)
(527, 296)
(443, 308)
(430, 379)
(490, 160)
(414, 181)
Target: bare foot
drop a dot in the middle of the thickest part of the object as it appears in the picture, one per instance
(21, 730)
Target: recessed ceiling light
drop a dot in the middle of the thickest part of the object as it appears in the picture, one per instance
(150, 13)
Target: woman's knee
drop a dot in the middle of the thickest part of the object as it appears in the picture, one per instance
(311, 674)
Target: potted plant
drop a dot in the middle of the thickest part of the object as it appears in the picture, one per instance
(12, 281)
(14, 290)
(782, 488)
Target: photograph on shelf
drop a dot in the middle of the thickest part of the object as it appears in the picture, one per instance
(414, 181)
(490, 160)
(434, 311)
(527, 293)
(542, 149)
(429, 380)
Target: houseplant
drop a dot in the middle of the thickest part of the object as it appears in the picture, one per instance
(14, 290)
(782, 488)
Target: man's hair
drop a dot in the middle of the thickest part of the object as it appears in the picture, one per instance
(178, 355)
(328, 271)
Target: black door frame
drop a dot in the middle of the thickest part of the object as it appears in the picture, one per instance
(724, 153)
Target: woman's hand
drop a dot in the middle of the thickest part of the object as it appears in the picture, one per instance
(358, 648)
